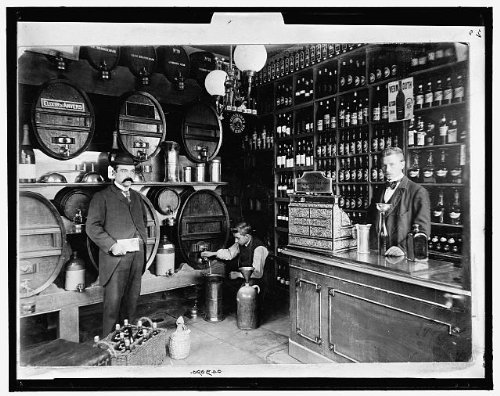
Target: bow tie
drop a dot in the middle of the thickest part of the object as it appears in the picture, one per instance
(392, 185)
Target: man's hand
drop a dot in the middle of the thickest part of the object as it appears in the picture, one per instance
(394, 251)
(235, 275)
(117, 250)
(206, 253)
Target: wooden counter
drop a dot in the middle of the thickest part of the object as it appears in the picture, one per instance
(351, 307)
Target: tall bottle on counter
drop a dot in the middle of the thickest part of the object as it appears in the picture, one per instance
(27, 169)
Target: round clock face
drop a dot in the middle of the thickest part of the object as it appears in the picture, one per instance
(237, 123)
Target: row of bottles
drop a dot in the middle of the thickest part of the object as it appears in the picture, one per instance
(303, 123)
(326, 120)
(357, 217)
(304, 89)
(424, 132)
(439, 91)
(282, 274)
(302, 155)
(284, 95)
(384, 137)
(380, 108)
(326, 146)
(328, 167)
(282, 215)
(428, 55)
(353, 169)
(384, 65)
(447, 243)
(353, 197)
(284, 125)
(293, 61)
(447, 214)
(352, 73)
(258, 141)
(353, 142)
(285, 185)
(443, 172)
(353, 110)
(326, 80)
(126, 336)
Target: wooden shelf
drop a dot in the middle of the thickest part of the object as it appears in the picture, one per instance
(352, 155)
(352, 90)
(303, 105)
(448, 256)
(27, 186)
(438, 68)
(447, 225)
(435, 146)
(385, 81)
(282, 199)
(281, 229)
(437, 108)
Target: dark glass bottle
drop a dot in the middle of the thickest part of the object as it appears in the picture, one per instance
(456, 171)
(455, 213)
(443, 130)
(27, 170)
(438, 211)
(414, 171)
(428, 171)
(417, 246)
(400, 103)
(442, 170)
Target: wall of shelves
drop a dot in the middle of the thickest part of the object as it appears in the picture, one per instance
(354, 130)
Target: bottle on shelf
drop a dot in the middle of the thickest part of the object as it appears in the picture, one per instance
(120, 346)
(400, 102)
(455, 211)
(414, 170)
(428, 171)
(421, 133)
(430, 134)
(384, 113)
(448, 91)
(438, 212)
(456, 171)
(442, 170)
(428, 96)
(112, 154)
(116, 335)
(419, 97)
(443, 130)
(438, 94)
(458, 91)
(376, 110)
(411, 132)
(374, 173)
(27, 163)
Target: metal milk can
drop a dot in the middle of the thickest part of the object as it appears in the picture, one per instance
(246, 300)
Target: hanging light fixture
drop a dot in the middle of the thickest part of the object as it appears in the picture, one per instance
(249, 59)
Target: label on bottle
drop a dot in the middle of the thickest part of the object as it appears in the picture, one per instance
(349, 79)
(342, 81)
(354, 118)
(428, 173)
(438, 96)
(411, 137)
(341, 176)
(27, 171)
(381, 144)
(421, 138)
(414, 174)
(371, 78)
(356, 81)
(360, 174)
(394, 70)
(452, 135)
(319, 125)
(347, 175)
(448, 94)
(455, 173)
(387, 71)
(376, 114)
(459, 93)
(381, 175)
(374, 174)
(419, 100)
(443, 130)
(455, 215)
(385, 112)
(359, 146)
(378, 74)
(414, 61)
(441, 173)
(429, 97)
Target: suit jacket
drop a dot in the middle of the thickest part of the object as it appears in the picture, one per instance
(111, 217)
(410, 205)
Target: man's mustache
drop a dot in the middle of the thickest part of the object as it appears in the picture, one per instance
(128, 179)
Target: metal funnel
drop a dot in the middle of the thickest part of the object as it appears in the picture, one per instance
(246, 272)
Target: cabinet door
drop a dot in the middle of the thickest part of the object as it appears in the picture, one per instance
(364, 327)
(308, 312)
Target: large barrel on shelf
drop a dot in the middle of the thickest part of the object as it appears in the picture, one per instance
(140, 125)
(141, 61)
(173, 62)
(63, 119)
(201, 132)
(43, 249)
(102, 58)
(165, 200)
(203, 220)
(202, 63)
(69, 199)
(153, 232)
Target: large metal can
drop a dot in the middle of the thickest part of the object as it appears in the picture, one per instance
(213, 298)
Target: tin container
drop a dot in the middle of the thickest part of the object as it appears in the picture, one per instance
(188, 176)
(215, 170)
(200, 172)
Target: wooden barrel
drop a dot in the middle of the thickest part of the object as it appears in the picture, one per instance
(141, 61)
(101, 58)
(69, 199)
(165, 200)
(63, 120)
(140, 125)
(174, 62)
(43, 249)
(201, 132)
(203, 219)
(202, 63)
(153, 232)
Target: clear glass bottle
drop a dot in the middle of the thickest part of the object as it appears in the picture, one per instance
(455, 213)
(428, 171)
(27, 167)
(414, 170)
(417, 245)
(442, 170)
(438, 210)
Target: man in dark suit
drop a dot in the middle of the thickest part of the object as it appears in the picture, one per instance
(409, 204)
(116, 222)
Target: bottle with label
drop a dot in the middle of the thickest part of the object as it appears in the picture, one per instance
(112, 154)
(417, 245)
(438, 211)
(27, 167)
(428, 171)
(419, 97)
(448, 91)
(452, 132)
(456, 171)
(120, 346)
(411, 133)
(429, 95)
(377, 108)
(442, 170)
(414, 170)
(78, 221)
(116, 335)
(438, 94)
(384, 114)
(127, 329)
(400, 102)
(374, 173)
(455, 209)
(458, 92)
(421, 134)
(443, 130)
(430, 134)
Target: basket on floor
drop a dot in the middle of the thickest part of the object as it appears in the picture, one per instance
(150, 352)
(180, 342)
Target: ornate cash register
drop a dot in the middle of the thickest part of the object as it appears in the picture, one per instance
(316, 222)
